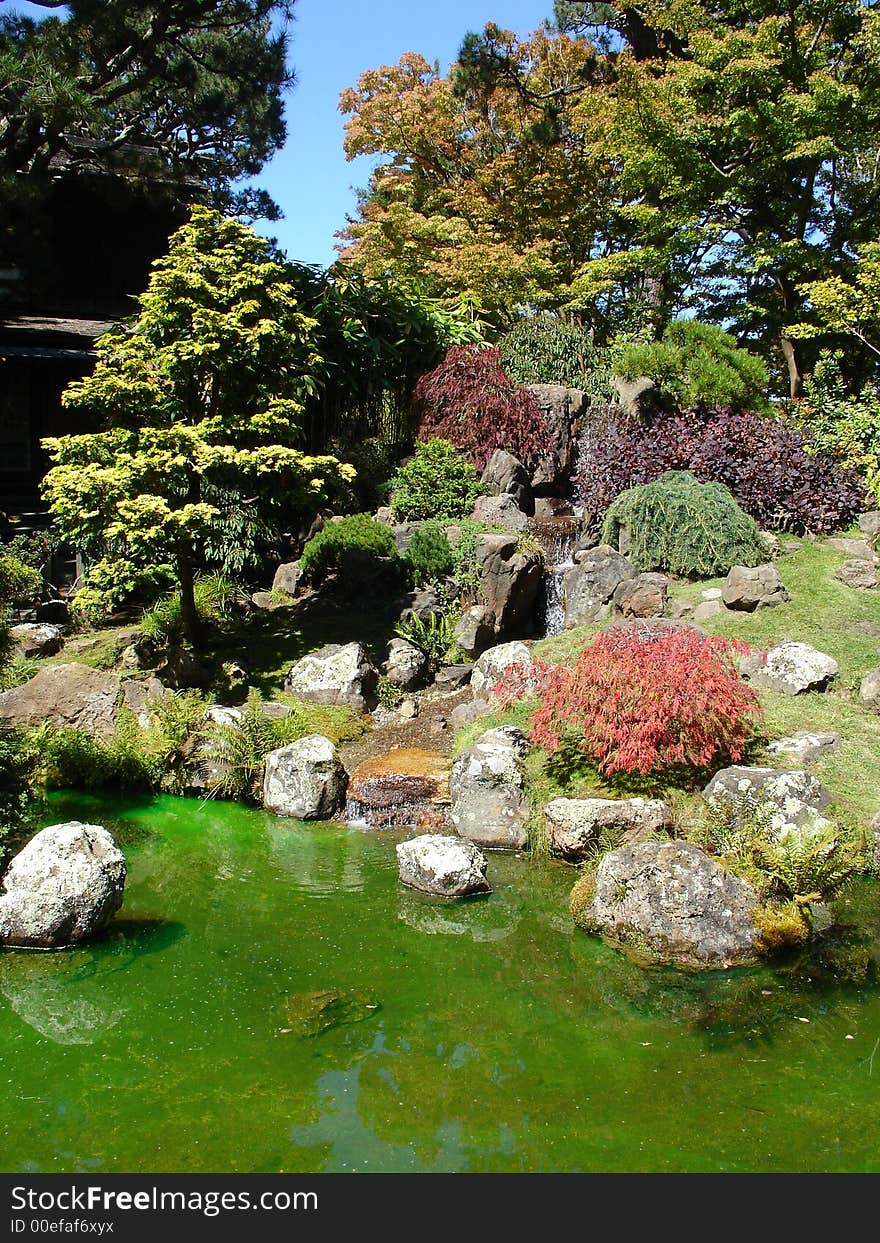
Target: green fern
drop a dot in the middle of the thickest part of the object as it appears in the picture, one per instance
(239, 750)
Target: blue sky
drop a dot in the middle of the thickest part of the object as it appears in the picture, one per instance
(332, 42)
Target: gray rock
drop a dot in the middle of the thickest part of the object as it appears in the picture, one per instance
(469, 712)
(492, 665)
(68, 695)
(711, 593)
(139, 697)
(797, 796)
(475, 631)
(271, 602)
(590, 585)
(861, 575)
(219, 714)
(305, 780)
(421, 604)
(790, 669)
(487, 786)
(405, 664)
(564, 410)
(674, 902)
(805, 748)
(453, 677)
(552, 507)
(275, 711)
(506, 475)
(288, 578)
(508, 581)
(185, 669)
(772, 544)
(642, 596)
(706, 609)
(869, 524)
(335, 674)
(36, 638)
(573, 825)
(500, 511)
(754, 587)
(446, 866)
(858, 549)
(679, 609)
(63, 888)
(869, 690)
(640, 398)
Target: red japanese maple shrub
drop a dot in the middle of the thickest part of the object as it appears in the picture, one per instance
(470, 401)
(639, 700)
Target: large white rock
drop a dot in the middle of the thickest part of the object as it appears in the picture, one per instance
(790, 668)
(488, 790)
(335, 674)
(574, 824)
(305, 780)
(36, 638)
(63, 888)
(794, 798)
(494, 662)
(447, 866)
(405, 664)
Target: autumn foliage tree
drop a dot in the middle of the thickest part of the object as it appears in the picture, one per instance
(640, 700)
(470, 401)
(633, 163)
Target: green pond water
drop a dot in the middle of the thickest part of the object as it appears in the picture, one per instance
(271, 999)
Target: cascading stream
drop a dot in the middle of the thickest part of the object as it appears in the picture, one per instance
(557, 536)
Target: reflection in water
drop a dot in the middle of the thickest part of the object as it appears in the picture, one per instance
(472, 917)
(61, 996)
(72, 996)
(322, 860)
(350, 1140)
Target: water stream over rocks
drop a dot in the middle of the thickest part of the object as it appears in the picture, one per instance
(557, 536)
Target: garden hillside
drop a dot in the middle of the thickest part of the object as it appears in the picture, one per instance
(544, 521)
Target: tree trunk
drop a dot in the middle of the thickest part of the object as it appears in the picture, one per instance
(189, 616)
(793, 362)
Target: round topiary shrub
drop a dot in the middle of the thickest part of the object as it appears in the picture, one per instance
(677, 523)
(324, 552)
(436, 482)
(429, 557)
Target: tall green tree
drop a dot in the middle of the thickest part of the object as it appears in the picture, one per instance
(175, 91)
(202, 397)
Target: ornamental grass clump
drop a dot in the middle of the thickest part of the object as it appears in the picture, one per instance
(641, 701)
(677, 523)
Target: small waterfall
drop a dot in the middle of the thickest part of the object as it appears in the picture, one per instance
(557, 536)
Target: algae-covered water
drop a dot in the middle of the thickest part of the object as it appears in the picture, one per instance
(271, 999)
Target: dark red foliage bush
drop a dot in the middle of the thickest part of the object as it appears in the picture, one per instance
(640, 700)
(763, 461)
(470, 401)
